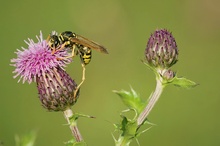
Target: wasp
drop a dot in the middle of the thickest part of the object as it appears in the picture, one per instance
(78, 45)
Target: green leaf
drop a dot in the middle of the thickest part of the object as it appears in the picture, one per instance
(148, 65)
(131, 100)
(123, 126)
(80, 144)
(128, 127)
(183, 82)
(76, 116)
(26, 140)
(72, 142)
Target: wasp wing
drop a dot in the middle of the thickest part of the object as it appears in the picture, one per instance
(88, 43)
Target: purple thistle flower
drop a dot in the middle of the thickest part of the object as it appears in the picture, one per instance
(55, 86)
(31, 62)
(161, 51)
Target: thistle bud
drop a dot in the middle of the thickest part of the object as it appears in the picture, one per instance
(161, 51)
(168, 74)
(56, 90)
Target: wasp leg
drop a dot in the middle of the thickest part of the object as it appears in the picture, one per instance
(53, 48)
(73, 54)
(83, 79)
(83, 76)
(61, 48)
(70, 56)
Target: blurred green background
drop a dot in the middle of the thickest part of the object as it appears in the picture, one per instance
(183, 117)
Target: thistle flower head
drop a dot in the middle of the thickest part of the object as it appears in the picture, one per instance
(161, 51)
(36, 63)
(37, 58)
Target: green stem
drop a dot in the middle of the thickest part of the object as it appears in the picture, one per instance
(152, 101)
(123, 141)
(68, 113)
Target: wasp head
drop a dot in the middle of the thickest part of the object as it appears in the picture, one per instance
(53, 41)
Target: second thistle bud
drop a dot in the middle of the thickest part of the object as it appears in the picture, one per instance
(161, 51)
(56, 90)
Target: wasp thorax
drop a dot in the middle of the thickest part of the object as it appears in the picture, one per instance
(67, 35)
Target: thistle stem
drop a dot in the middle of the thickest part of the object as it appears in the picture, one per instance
(68, 113)
(152, 101)
(123, 141)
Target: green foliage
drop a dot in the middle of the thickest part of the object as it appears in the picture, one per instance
(128, 128)
(26, 140)
(172, 80)
(183, 83)
(73, 119)
(72, 142)
(132, 100)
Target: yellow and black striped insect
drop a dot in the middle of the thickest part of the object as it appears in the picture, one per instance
(78, 45)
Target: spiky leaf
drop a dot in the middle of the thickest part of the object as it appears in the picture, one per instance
(131, 99)
(183, 82)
